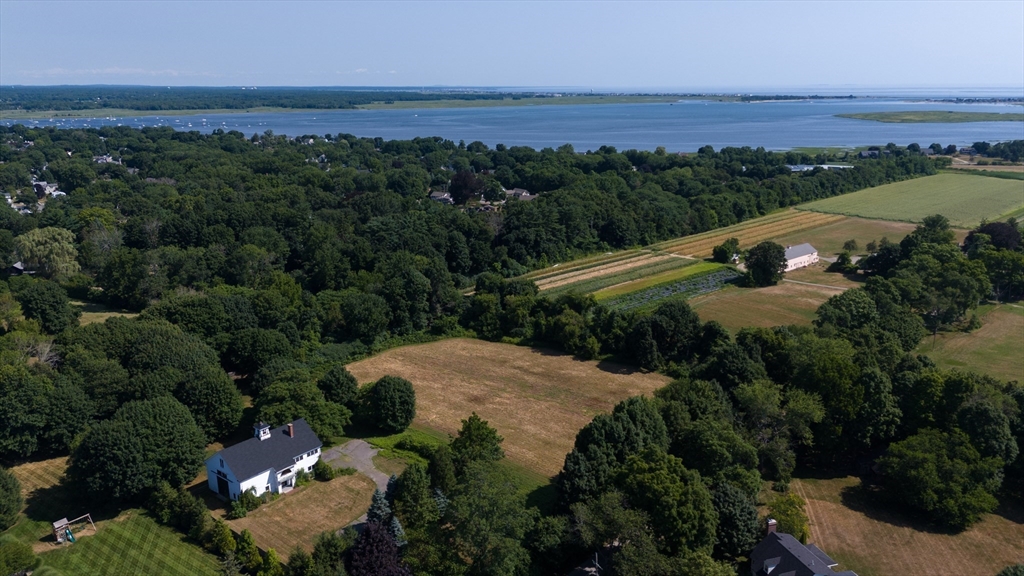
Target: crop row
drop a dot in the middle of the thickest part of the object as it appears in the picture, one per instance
(688, 288)
(577, 265)
(576, 275)
(593, 284)
(746, 224)
(754, 235)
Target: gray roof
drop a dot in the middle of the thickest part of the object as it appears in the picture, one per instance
(249, 458)
(799, 250)
(792, 558)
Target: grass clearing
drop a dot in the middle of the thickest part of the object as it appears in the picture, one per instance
(296, 518)
(133, 543)
(866, 535)
(537, 399)
(935, 117)
(965, 199)
(780, 305)
(93, 312)
(995, 349)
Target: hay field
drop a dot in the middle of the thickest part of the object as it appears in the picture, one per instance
(870, 538)
(783, 304)
(996, 349)
(965, 199)
(536, 399)
(594, 278)
(296, 518)
(748, 233)
(829, 238)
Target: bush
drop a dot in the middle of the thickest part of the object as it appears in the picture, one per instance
(303, 478)
(10, 499)
(250, 500)
(15, 557)
(238, 510)
(323, 471)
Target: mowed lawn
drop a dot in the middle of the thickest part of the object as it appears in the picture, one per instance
(783, 304)
(93, 312)
(537, 399)
(132, 543)
(965, 199)
(869, 537)
(296, 518)
(996, 349)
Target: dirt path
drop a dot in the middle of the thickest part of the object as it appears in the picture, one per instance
(816, 285)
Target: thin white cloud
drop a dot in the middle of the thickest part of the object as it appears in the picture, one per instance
(110, 71)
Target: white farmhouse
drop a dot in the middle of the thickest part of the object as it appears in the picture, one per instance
(800, 256)
(266, 462)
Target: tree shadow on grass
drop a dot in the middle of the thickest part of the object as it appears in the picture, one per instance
(1010, 509)
(544, 498)
(66, 501)
(873, 502)
(613, 367)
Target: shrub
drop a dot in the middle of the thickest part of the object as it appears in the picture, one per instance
(15, 557)
(303, 478)
(250, 500)
(323, 471)
(238, 510)
(10, 499)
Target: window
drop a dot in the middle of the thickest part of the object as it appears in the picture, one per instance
(297, 458)
(309, 468)
(267, 489)
(221, 462)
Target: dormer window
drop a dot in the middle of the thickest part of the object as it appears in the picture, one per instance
(221, 462)
(261, 430)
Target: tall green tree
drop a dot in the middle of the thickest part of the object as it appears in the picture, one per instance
(765, 263)
(391, 404)
(11, 500)
(47, 302)
(476, 442)
(50, 251)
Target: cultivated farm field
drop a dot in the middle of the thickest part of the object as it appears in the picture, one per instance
(748, 233)
(867, 536)
(965, 199)
(611, 274)
(537, 399)
(829, 238)
(995, 349)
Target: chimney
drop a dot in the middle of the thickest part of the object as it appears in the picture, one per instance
(291, 433)
(772, 525)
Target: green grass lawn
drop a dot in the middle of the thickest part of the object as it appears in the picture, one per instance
(936, 116)
(965, 199)
(995, 349)
(133, 543)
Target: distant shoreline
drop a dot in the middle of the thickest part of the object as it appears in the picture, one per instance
(935, 117)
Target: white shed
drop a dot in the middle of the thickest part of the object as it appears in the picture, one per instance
(800, 256)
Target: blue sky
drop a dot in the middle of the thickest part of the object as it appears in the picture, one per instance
(689, 46)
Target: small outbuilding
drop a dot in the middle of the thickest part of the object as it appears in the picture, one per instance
(267, 462)
(800, 256)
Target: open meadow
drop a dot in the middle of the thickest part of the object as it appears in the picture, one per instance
(965, 199)
(866, 535)
(829, 238)
(995, 349)
(748, 233)
(795, 300)
(537, 399)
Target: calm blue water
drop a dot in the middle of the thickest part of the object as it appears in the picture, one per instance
(682, 126)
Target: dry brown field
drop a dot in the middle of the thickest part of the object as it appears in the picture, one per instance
(867, 537)
(296, 518)
(40, 475)
(537, 399)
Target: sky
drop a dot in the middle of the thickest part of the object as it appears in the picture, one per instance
(692, 46)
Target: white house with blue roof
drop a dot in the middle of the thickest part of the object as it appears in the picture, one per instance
(267, 462)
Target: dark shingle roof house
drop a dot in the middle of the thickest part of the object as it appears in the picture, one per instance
(276, 450)
(781, 554)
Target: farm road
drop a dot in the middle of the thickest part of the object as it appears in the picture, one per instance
(812, 284)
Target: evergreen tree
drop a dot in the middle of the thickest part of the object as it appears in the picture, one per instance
(375, 553)
(476, 442)
(247, 554)
(271, 565)
(222, 540)
(10, 499)
(397, 532)
(379, 510)
(738, 524)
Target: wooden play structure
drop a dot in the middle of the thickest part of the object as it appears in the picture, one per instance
(62, 528)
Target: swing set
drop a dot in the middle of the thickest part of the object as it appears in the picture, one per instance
(62, 528)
